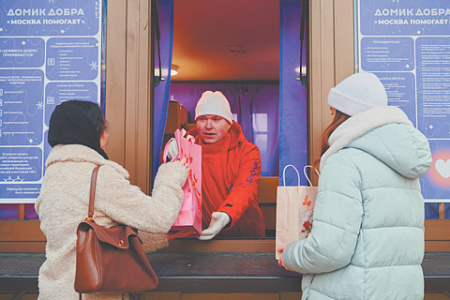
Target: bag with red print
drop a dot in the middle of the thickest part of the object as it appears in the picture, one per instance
(295, 206)
(189, 220)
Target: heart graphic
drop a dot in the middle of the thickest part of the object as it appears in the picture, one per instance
(443, 167)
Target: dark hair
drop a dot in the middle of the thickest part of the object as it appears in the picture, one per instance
(339, 118)
(92, 111)
(77, 122)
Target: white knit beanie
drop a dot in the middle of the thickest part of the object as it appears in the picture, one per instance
(214, 103)
(357, 93)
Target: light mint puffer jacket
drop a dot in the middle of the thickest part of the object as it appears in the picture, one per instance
(367, 239)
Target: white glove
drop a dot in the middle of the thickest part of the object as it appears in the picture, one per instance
(173, 150)
(218, 221)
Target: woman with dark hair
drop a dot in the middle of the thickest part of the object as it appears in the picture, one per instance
(78, 137)
(367, 238)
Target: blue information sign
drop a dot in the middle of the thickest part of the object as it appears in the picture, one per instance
(72, 59)
(61, 91)
(50, 52)
(407, 45)
(398, 87)
(389, 54)
(50, 18)
(433, 86)
(404, 17)
(21, 106)
(22, 52)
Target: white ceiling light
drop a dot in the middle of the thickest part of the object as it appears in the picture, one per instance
(174, 70)
(303, 70)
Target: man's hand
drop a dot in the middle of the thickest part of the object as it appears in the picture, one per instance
(218, 221)
(173, 150)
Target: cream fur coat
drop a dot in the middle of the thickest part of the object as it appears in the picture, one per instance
(63, 204)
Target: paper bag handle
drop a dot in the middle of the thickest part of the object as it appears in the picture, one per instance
(284, 174)
(298, 175)
(306, 175)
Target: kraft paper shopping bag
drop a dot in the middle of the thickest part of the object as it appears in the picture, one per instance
(295, 206)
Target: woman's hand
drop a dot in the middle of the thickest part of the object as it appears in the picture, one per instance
(280, 260)
(183, 162)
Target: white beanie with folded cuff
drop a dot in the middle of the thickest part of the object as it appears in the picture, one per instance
(214, 103)
(357, 93)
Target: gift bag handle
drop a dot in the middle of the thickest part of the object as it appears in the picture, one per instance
(298, 175)
(179, 134)
(306, 175)
(284, 174)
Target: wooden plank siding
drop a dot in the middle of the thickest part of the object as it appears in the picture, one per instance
(129, 88)
(115, 79)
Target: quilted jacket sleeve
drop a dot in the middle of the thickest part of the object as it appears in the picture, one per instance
(336, 222)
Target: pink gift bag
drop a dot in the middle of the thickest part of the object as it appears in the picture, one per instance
(295, 206)
(189, 220)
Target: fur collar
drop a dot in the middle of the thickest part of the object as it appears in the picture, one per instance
(361, 123)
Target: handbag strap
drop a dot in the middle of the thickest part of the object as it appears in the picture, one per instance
(91, 203)
(92, 194)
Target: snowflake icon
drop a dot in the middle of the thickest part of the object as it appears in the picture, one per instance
(9, 179)
(40, 105)
(94, 65)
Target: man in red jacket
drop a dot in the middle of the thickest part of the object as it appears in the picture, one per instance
(231, 169)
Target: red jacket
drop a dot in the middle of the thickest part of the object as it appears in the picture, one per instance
(231, 169)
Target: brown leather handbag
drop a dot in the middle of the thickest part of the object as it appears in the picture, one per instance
(110, 260)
